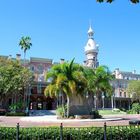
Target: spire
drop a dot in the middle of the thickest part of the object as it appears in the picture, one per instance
(91, 50)
(90, 31)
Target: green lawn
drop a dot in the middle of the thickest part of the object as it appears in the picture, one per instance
(111, 112)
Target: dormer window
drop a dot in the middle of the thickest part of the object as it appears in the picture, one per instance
(32, 68)
(40, 69)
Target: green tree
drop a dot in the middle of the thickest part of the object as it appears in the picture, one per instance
(25, 44)
(110, 1)
(98, 81)
(136, 108)
(66, 78)
(13, 77)
(133, 90)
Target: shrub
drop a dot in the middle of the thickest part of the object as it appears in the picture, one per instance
(60, 111)
(136, 108)
(116, 110)
(95, 114)
(15, 106)
(85, 133)
(2, 111)
(122, 109)
(15, 114)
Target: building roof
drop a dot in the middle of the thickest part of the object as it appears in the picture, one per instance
(124, 73)
(36, 59)
(91, 44)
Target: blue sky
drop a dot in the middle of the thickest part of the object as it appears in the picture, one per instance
(58, 29)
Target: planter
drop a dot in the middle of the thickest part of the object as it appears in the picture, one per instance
(84, 116)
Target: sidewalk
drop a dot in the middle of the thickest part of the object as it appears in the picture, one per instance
(45, 121)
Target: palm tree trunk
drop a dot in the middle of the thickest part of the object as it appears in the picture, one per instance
(24, 57)
(24, 88)
(98, 100)
(63, 104)
(68, 106)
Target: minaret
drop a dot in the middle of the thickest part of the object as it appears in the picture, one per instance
(91, 50)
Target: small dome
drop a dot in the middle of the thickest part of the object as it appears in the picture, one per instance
(91, 45)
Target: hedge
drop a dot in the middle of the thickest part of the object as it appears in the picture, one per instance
(86, 133)
(15, 114)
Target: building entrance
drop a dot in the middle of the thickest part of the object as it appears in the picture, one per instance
(50, 104)
(39, 106)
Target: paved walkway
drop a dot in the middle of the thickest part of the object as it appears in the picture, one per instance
(44, 121)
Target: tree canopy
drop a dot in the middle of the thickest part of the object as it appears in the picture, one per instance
(133, 90)
(110, 1)
(76, 81)
(66, 78)
(13, 77)
(98, 80)
(25, 43)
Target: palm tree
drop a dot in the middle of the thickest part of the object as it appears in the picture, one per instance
(25, 44)
(110, 1)
(98, 81)
(66, 78)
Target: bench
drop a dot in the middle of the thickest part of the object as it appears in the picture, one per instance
(134, 122)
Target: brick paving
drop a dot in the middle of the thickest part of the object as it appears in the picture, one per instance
(43, 122)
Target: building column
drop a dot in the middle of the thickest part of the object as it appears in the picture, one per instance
(44, 105)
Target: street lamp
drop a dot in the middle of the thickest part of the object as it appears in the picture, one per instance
(113, 104)
(87, 95)
(95, 101)
(112, 101)
(103, 101)
(28, 93)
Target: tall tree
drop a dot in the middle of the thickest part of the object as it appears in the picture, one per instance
(133, 90)
(98, 81)
(110, 1)
(12, 78)
(66, 78)
(25, 44)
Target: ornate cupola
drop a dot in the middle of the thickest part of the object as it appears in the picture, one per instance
(91, 50)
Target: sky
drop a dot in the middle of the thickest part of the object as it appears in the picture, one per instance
(58, 29)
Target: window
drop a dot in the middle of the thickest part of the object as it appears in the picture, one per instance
(124, 94)
(42, 90)
(40, 69)
(120, 94)
(10, 101)
(48, 68)
(34, 90)
(32, 68)
(39, 88)
(40, 77)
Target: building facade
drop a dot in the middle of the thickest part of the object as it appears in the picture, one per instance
(120, 84)
(39, 66)
(120, 98)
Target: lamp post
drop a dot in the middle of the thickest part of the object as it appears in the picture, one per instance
(112, 101)
(95, 101)
(28, 93)
(113, 104)
(87, 95)
(103, 101)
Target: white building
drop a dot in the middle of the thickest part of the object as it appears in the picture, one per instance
(120, 98)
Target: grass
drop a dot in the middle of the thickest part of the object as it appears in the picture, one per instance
(111, 112)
